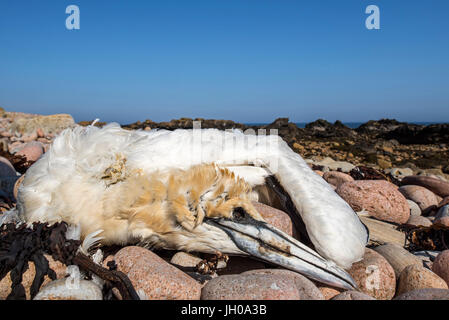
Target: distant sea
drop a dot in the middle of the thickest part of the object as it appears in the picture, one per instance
(352, 125)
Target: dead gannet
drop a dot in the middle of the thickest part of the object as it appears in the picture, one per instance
(191, 190)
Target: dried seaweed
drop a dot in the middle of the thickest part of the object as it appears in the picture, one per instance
(21, 245)
(435, 237)
(367, 173)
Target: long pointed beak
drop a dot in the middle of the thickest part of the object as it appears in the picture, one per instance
(263, 241)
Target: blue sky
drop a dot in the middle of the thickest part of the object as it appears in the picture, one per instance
(245, 60)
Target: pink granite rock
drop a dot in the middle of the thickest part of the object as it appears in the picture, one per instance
(441, 265)
(374, 276)
(157, 278)
(275, 217)
(380, 198)
(425, 294)
(32, 151)
(415, 277)
(336, 178)
(418, 221)
(422, 196)
(352, 295)
(437, 186)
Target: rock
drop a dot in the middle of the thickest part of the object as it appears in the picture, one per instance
(48, 124)
(32, 151)
(155, 277)
(427, 257)
(253, 287)
(414, 208)
(442, 222)
(382, 232)
(437, 186)
(423, 197)
(6, 168)
(415, 277)
(61, 290)
(336, 178)
(328, 292)
(383, 163)
(441, 265)
(401, 172)
(333, 165)
(318, 172)
(380, 198)
(28, 277)
(40, 133)
(29, 137)
(442, 212)
(397, 257)
(352, 295)
(185, 259)
(419, 221)
(17, 186)
(374, 276)
(425, 294)
(307, 289)
(275, 217)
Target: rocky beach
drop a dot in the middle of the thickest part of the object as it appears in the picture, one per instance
(395, 175)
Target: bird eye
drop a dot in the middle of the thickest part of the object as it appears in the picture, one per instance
(238, 214)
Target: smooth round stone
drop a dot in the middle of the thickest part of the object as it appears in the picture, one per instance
(28, 277)
(154, 276)
(250, 287)
(380, 198)
(442, 222)
(275, 217)
(32, 151)
(352, 295)
(401, 172)
(441, 265)
(328, 292)
(425, 294)
(414, 208)
(442, 212)
(40, 133)
(419, 221)
(185, 259)
(435, 185)
(416, 277)
(307, 289)
(6, 168)
(397, 257)
(374, 276)
(59, 290)
(336, 178)
(423, 197)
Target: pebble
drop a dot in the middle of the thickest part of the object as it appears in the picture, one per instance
(307, 289)
(275, 217)
(352, 295)
(425, 294)
(401, 172)
(40, 133)
(32, 151)
(328, 292)
(435, 185)
(380, 198)
(336, 178)
(442, 222)
(419, 221)
(185, 259)
(251, 287)
(28, 277)
(374, 276)
(416, 277)
(414, 208)
(6, 168)
(423, 197)
(442, 212)
(332, 165)
(441, 265)
(397, 257)
(61, 290)
(155, 277)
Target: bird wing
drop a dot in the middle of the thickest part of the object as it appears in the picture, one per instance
(87, 152)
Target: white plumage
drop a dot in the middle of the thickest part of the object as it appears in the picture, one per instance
(79, 157)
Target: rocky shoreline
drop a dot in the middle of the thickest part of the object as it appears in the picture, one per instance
(394, 175)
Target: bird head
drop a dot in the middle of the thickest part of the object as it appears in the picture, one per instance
(219, 216)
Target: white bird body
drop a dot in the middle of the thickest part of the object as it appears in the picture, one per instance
(70, 176)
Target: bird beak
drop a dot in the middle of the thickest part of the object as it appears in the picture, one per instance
(264, 242)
